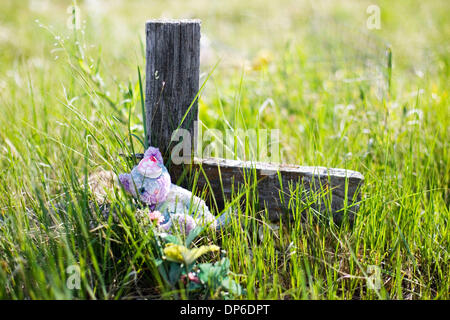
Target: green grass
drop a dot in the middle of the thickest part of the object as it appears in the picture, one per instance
(71, 104)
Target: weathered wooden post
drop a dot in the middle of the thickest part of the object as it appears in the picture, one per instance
(172, 83)
(172, 80)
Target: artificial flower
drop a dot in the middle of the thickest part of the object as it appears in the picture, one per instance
(156, 216)
(181, 254)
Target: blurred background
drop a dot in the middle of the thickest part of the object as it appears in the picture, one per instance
(417, 29)
(301, 62)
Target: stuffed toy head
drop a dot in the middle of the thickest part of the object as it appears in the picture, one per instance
(149, 181)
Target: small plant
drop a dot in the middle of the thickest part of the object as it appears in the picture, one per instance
(180, 269)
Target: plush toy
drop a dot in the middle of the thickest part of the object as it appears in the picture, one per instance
(169, 204)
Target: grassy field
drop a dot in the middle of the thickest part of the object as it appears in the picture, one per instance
(70, 100)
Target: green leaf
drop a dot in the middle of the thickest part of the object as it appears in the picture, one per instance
(225, 266)
(232, 286)
(175, 270)
(139, 139)
(193, 286)
(193, 234)
(84, 66)
(170, 238)
(144, 119)
(205, 270)
(158, 262)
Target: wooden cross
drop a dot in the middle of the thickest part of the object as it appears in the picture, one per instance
(172, 84)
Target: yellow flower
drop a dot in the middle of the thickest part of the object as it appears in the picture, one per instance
(173, 252)
(262, 59)
(181, 254)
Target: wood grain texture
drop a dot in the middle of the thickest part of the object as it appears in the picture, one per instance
(172, 79)
(327, 190)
